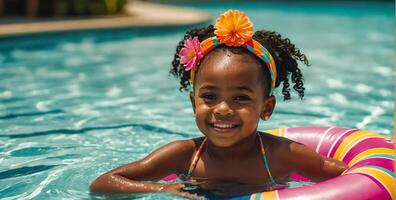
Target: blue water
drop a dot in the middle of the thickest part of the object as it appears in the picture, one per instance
(73, 106)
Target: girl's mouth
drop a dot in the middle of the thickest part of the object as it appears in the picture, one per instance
(223, 127)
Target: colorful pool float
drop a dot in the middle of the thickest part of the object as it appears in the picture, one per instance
(370, 157)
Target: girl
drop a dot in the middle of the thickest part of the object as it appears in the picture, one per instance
(232, 72)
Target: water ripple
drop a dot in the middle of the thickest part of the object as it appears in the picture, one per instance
(31, 151)
(23, 171)
(12, 116)
(11, 100)
(146, 127)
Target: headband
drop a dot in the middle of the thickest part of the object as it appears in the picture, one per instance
(232, 28)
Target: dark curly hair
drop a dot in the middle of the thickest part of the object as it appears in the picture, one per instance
(282, 50)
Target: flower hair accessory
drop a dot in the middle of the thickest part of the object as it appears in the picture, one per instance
(232, 28)
(191, 54)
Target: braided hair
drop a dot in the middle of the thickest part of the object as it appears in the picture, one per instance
(285, 55)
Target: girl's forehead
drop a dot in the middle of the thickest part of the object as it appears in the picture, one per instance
(230, 70)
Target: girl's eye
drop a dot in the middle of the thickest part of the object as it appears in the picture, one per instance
(208, 97)
(242, 98)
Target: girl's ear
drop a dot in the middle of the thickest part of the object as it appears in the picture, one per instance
(268, 107)
(192, 99)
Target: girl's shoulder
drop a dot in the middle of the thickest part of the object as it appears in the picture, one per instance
(282, 143)
(186, 147)
(282, 147)
(175, 156)
(187, 144)
(293, 154)
(181, 149)
(274, 140)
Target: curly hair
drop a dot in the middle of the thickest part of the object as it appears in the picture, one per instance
(285, 55)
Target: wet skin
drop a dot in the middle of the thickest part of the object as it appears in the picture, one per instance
(228, 99)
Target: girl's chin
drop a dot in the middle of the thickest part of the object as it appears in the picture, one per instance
(223, 138)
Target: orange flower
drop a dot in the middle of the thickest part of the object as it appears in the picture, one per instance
(233, 28)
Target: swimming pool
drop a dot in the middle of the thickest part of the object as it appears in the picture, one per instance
(75, 106)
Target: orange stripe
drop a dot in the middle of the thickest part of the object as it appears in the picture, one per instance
(207, 45)
(350, 141)
(256, 48)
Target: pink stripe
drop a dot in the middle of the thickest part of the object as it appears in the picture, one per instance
(359, 187)
(338, 139)
(332, 152)
(330, 139)
(309, 135)
(386, 163)
(366, 144)
(380, 185)
(298, 177)
(323, 138)
(170, 177)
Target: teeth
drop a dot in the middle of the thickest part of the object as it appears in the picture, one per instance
(223, 125)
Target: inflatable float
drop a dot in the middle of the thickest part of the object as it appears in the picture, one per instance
(370, 157)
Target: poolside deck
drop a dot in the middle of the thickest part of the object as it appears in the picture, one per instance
(139, 14)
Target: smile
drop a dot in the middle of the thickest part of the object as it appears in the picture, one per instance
(223, 127)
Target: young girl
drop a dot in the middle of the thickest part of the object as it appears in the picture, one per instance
(232, 72)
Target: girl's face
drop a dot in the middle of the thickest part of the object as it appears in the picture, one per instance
(229, 97)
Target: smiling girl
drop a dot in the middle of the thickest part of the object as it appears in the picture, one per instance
(232, 72)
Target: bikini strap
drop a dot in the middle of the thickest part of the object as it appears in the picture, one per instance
(265, 159)
(199, 151)
(196, 158)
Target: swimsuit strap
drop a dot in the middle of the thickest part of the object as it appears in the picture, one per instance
(265, 159)
(195, 160)
(199, 151)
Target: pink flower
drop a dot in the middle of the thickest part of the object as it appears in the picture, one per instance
(191, 54)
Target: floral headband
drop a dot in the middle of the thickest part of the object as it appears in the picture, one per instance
(232, 28)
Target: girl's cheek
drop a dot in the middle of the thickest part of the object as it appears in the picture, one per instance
(201, 106)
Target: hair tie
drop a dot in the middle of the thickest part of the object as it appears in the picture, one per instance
(232, 28)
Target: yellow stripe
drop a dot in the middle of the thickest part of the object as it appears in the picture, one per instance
(387, 180)
(351, 140)
(277, 132)
(280, 133)
(370, 152)
(192, 75)
(354, 140)
(273, 67)
(283, 132)
(269, 195)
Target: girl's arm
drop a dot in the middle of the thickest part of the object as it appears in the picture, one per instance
(132, 178)
(307, 162)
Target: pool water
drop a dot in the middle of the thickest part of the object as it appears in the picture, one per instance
(73, 106)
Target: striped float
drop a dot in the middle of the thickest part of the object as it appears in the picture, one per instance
(370, 157)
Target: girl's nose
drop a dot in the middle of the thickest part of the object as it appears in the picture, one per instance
(223, 109)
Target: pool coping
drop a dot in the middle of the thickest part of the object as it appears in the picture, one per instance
(138, 14)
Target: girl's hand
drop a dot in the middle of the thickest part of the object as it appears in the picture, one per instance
(177, 189)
